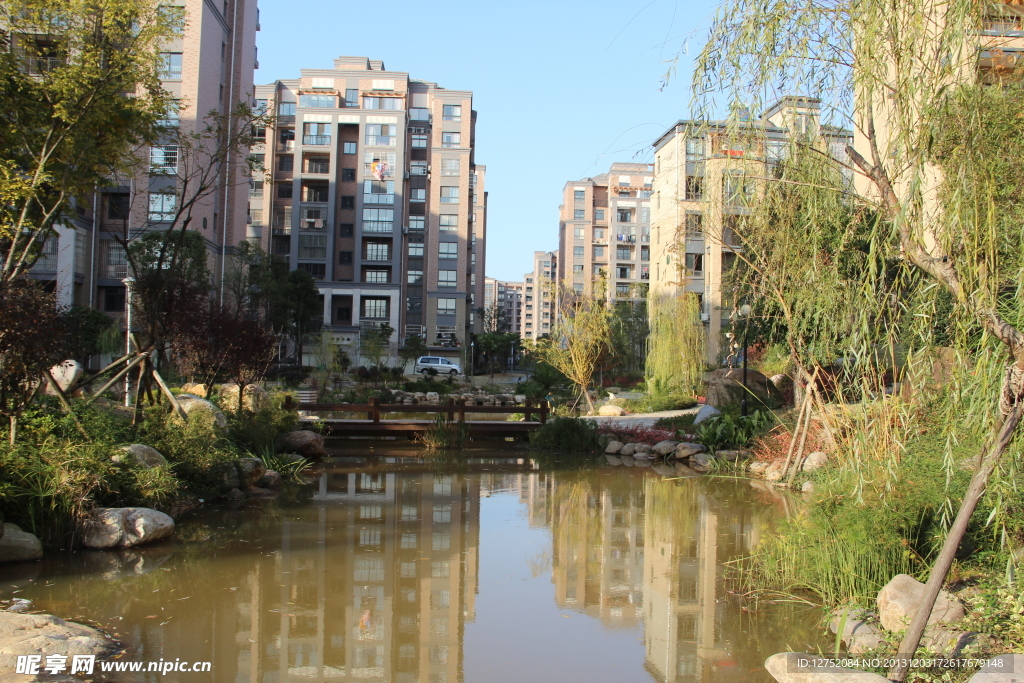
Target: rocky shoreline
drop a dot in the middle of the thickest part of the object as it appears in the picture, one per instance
(22, 633)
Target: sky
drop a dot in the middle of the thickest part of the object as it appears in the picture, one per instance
(563, 88)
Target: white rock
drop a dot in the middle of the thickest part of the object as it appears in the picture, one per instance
(686, 449)
(611, 411)
(433, 397)
(628, 449)
(1002, 669)
(808, 487)
(125, 527)
(775, 471)
(613, 447)
(664, 447)
(256, 397)
(642, 448)
(758, 466)
(706, 412)
(899, 599)
(814, 461)
(859, 630)
(20, 605)
(614, 461)
(785, 667)
(19, 546)
(520, 398)
(147, 456)
(44, 634)
(199, 410)
(66, 374)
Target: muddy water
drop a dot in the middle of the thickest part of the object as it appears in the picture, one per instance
(489, 571)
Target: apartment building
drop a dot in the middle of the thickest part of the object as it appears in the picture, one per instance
(538, 309)
(372, 188)
(509, 296)
(604, 232)
(208, 68)
(705, 178)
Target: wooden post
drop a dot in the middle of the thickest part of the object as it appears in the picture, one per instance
(528, 410)
(544, 412)
(289, 404)
(462, 410)
(451, 410)
(375, 415)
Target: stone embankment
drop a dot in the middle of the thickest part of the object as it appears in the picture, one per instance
(22, 633)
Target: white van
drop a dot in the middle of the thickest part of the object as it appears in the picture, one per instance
(442, 365)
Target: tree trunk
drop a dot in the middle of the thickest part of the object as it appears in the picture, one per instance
(590, 403)
(13, 421)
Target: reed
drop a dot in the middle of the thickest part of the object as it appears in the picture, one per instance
(444, 434)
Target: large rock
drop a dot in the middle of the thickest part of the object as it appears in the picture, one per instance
(147, 456)
(775, 471)
(664, 447)
(195, 389)
(613, 447)
(255, 398)
(270, 480)
(611, 411)
(250, 470)
(758, 466)
(202, 412)
(797, 667)
(686, 449)
(725, 388)
(65, 375)
(641, 447)
(1002, 669)
(125, 527)
(309, 444)
(859, 631)
(782, 382)
(703, 459)
(706, 412)
(433, 397)
(815, 461)
(19, 546)
(899, 599)
(44, 634)
(628, 449)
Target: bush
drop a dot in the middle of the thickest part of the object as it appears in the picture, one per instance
(657, 403)
(679, 423)
(727, 431)
(638, 433)
(566, 435)
(531, 389)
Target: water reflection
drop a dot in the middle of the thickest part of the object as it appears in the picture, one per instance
(375, 577)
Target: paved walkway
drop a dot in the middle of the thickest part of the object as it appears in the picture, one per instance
(642, 419)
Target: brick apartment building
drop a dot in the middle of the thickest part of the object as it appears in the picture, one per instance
(538, 296)
(509, 296)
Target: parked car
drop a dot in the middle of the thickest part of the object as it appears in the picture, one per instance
(442, 365)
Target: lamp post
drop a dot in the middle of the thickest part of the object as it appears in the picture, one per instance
(129, 282)
(472, 360)
(745, 314)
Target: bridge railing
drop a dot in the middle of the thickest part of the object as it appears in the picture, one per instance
(455, 410)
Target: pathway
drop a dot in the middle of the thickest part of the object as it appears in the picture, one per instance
(642, 419)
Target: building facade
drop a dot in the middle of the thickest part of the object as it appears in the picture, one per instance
(538, 309)
(372, 188)
(508, 296)
(705, 178)
(604, 233)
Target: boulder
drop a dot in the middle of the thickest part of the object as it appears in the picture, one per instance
(202, 412)
(433, 397)
(798, 667)
(643, 455)
(949, 641)
(775, 471)
(45, 634)
(20, 605)
(664, 447)
(250, 470)
(258, 491)
(65, 375)
(255, 398)
(899, 599)
(270, 480)
(611, 411)
(613, 447)
(520, 398)
(758, 466)
(703, 459)
(859, 631)
(614, 461)
(731, 456)
(782, 382)
(706, 412)
(686, 449)
(194, 388)
(19, 546)
(1002, 669)
(628, 449)
(235, 494)
(309, 444)
(147, 456)
(814, 461)
(642, 448)
(125, 527)
(808, 487)
(725, 388)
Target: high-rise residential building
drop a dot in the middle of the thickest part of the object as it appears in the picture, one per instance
(509, 297)
(705, 179)
(538, 309)
(372, 188)
(604, 232)
(208, 68)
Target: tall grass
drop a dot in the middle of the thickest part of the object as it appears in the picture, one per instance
(444, 434)
(566, 435)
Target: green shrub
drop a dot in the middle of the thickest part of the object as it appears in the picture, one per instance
(531, 389)
(657, 403)
(444, 434)
(727, 431)
(679, 423)
(566, 435)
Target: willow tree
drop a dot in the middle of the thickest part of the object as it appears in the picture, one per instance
(675, 346)
(896, 73)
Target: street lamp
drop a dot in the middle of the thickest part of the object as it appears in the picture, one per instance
(744, 313)
(129, 282)
(472, 360)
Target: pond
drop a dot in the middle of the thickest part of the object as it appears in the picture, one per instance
(489, 569)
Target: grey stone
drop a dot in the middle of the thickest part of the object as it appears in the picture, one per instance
(642, 462)
(775, 471)
(433, 397)
(202, 412)
(255, 398)
(258, 491)
(706, 412)
(938, 640)
(234, 494)
(65, 375)
(642, 448)
(147, 456)
(898, 602)
(727, 455)
(642, 455)
(702, 459)
(629, 461)
(628, 449)
(614, 461)
(664, 447)
(814, 461)
(249, 471)
(19, 546)
(20, 605)
(758, 466)
(270, 480)
(808, 487)
(45, 634)
(125, 527)
(782, 382)
(613, 447)
(859, 630)
(308, 444)
(1002, 669)
(686, 449)
(611, 411)
(726, 388)
(785, 667)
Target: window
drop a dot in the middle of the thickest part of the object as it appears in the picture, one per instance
(450, 167)
(451, 139)
(283, 219)
(419, 114)
(598, 233)
(377, 277)
(577, 252)
(286, 164)
(162, 206)
(694, 264)
(347, 202)
(284, 190)
(645, 214)
(349, 147)
(388, 103)
(352, 97)
(375, 307)
(286, 109)
(418, 168)
(319, 164)
(383, 84)
(448, 250)
(579, 195)
(316, 193)
(418, 195)
(625, 215)
(118, 206)
(414, 277)
(578, 233)
(316, 133)
(694, 226)
(348, 175)
(344, 258)
(624, 272)
(446, 278)
(255, 188)
(381, 134)
(737, 189)
(113, 299)
(446, 306)
(419, 140)
(599, 251)
(416, 249)
(163, 158)
(579, 214)
(378, 220)
(417, 223)
(318, 271)
(623, 253)
(451, 112)
(449, 195)
(645, 253)
(313, 246)
(346, 229)
(321, 101)
(379, 191)
(694, 187)
(170, 66)
(378, 251)
(598, 214)
(577, 269)
(313, 219)
(694, 149)
(449, 222)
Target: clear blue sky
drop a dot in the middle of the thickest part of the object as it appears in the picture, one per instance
(563, 88)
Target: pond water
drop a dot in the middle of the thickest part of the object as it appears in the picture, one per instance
(489, 570)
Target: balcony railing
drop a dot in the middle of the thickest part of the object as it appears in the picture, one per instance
(316, 139)
(287, 230)
(378, 199)
(36, 66)
(170, 73)
(378, 226)
(286, 146)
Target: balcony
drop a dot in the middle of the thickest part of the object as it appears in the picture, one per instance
(316, 140)
(286, 230)
(285, 146)
(378, 199)
(37, 66)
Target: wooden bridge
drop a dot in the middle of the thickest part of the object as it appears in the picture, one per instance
(455, 411)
